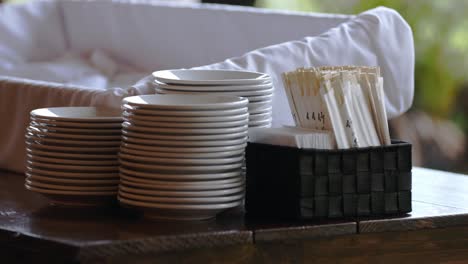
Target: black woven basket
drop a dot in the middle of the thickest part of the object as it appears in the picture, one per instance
(302, 184)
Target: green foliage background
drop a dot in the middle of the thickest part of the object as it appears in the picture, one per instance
(440, 29)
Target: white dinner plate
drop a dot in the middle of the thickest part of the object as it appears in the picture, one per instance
(185, 183)
(71, 142)
(264, 86)
(184, 137)
(74, 175)
(185, 102)
(210, 77)
(185, 113)
(182, 130)
(82, 131)
(184, 149)
(184, 143)
(155, 192)
(74, 193)
(260, 117)
(164, 161)
(59, 135)
(260, 98)
(66, 181)
(183, 155)
(70, 187)
(72, 168)
(260, 123)
(230, 91)
(72, 161)
(181, 176)
(74, 149)
(181, 200)
(180, 168)
(260, 105)
(77, 156)
(174, 186)
(78, 114)
(189, 119)
(71, 124)
(261, 110)
(188, 124)
(168, 211)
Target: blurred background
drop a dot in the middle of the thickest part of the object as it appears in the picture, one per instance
(437, 124)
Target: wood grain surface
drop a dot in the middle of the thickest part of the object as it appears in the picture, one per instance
(31, 230)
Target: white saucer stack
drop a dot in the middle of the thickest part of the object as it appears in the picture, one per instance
(256, 87)
(72, 154)
(181, 155)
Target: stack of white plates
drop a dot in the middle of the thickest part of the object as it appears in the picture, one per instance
(181, 155)
(72, 154)
(256, 87)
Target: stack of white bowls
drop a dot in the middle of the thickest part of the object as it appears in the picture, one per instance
(181, 155)
(72, 154)
(254, 86)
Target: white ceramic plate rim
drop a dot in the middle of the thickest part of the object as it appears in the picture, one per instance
(77, 193)
(72, 181)
(181, 200)
(75, 175)
(184, 144)
(175, 187)
(78, 114)
(72, 161)
(85, 131)
(71, 124)
(77, 188)
(59, 135)
(180, 207)
(180, 168)
(72, 142)
(72, 168)
(184, 149)
(183, 137)
(208, 193)
(226, 124)
(75, 149)
(181, 176)
(183, 154)
(262, 87)
(183, 183)
(186, 101)
(180, 161)
(186, 131)
(193, 119)
(71, 155)
(210, 77)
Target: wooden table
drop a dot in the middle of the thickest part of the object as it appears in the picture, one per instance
(436, 231)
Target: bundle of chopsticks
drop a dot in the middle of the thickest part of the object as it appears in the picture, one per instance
(347, 100)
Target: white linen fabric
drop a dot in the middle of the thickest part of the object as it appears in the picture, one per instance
(149, 35)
